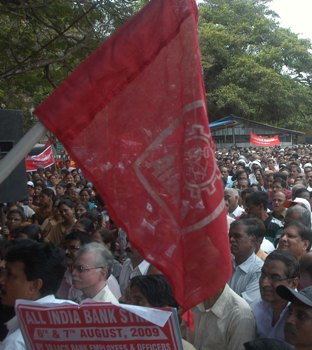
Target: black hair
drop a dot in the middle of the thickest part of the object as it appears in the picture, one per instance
(254, 227)
(299, 192)
(258, 198)
(88, 225)
(82, 237)
(66, 201)
(267, 344)
(108, 237)
(32, 232)
(41, 260)
(48, 192)
(156, 289)
(291, 263)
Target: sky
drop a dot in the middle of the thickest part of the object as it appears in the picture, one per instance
(296, 15)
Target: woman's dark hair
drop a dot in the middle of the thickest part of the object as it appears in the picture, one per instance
(18, 211)
(156, 289)
(66, 201)
(32, 232)
(108, 237)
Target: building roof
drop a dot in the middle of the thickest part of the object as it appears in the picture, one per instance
(233, 120)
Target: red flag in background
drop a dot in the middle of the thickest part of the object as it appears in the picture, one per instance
(134, 118)
(44, 159)
(264, 141)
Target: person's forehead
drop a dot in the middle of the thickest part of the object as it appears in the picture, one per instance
(16, 267)
(238, 228)
(299, 306)
(86, 258)
(279, 195)
(275, 267)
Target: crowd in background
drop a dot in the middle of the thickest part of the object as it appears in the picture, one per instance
(267, 193)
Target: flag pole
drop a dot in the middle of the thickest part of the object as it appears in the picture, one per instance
(20, 150)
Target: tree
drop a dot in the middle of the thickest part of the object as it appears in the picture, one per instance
(42, 41)
(252, 66)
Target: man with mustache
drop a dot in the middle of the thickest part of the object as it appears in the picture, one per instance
(298, 326)
(280, 268)
(91, 271)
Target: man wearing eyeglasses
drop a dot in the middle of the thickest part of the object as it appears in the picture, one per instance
(280, 268)
(90, 272)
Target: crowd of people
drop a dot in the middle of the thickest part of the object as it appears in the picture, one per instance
(60, 243)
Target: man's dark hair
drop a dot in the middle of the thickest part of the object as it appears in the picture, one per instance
(48, 192)
(303, 231)
(299, 192)
(291, 263)
(258, 198)
(156, 289)
(305, 263)
(41, 260)
(254, 227)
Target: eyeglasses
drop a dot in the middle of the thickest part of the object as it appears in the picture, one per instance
(81, 268)
(274, 278)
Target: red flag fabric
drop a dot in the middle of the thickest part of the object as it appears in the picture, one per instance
(44, 159)
(133, 116)
(263, 140)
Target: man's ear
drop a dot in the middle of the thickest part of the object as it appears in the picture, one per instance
(35, 287)
(294, 283)
(104, 272)
(306, 244)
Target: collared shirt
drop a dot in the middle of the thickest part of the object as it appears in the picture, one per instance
(14, 340)
(237, 212)
(264, 315)
(226, 326)
(127, 272)
(105, 295)
(245, 279)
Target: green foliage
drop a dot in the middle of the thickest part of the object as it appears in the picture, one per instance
(42, 41)
(253, 67)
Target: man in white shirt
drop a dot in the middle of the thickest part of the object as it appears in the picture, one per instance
(91, 270)
(34, 272)
(247, 266)
(231, 197)
(135, 265)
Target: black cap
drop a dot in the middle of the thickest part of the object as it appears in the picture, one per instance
(304, 296)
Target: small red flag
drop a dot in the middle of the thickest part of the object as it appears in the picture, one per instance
(133, 116)
(44, 159)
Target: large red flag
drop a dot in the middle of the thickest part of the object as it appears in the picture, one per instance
(134, 118)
